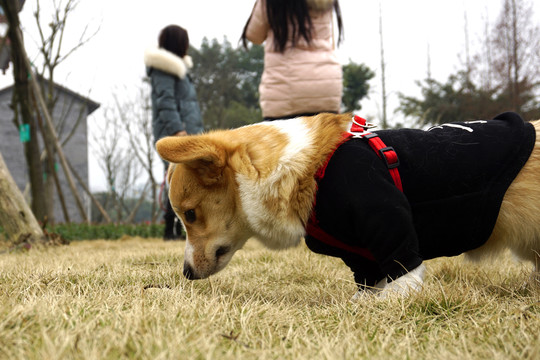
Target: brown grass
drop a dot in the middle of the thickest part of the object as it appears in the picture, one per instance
(128, 299)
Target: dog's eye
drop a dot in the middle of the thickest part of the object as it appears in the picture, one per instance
(190, 216)
(222, 250)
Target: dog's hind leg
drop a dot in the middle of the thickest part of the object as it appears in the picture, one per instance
(518, 223)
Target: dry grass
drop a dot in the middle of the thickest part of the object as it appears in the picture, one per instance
(128, 299)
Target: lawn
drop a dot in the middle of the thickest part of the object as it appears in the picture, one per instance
(128, 299)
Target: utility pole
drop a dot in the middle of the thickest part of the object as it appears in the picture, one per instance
(384, 120)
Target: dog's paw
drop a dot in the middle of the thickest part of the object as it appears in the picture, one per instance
(535, 277)
(533, 282)
(369, 291)
(406, 284)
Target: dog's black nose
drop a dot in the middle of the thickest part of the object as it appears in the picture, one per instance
(188, 272)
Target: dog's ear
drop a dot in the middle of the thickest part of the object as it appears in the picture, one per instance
(201, 154)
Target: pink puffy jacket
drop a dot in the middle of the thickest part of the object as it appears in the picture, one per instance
(303, 79)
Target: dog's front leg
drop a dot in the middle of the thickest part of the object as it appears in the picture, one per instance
(404, 285)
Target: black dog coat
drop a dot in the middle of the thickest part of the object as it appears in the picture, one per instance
(454, 179)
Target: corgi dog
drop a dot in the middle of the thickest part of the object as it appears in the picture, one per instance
(470, 187)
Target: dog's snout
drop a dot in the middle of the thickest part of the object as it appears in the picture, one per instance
(188, 272)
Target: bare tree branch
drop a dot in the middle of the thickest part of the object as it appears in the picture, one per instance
(136, 116)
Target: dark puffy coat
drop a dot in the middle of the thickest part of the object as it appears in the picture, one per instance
(174, 100)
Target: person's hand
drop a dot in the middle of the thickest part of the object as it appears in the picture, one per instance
(181, 133)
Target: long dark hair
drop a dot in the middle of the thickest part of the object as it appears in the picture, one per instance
(175, 39)
(294, 13)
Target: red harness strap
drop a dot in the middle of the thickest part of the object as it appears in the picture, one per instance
(387, 153)
(358, 129)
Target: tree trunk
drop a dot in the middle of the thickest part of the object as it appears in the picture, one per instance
(16, 218)
(20, 59)
(52, 176)
(23, 106)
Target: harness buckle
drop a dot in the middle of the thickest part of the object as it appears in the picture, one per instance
(369, 135)
(393, 162)
(366, 125)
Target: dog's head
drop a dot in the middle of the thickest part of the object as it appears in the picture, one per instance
(255, 181)
(203, 194)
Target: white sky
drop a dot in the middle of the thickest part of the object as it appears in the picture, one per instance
(112, 60)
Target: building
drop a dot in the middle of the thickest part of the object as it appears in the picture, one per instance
(70, 117)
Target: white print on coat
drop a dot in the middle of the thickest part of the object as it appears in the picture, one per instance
(457, 126)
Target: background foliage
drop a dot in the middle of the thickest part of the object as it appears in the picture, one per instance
(72, 231)
(502, 75)
(227, 82)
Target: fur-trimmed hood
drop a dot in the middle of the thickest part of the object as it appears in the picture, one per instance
(168, 62)
(320, 5)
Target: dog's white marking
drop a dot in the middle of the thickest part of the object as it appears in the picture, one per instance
(188, 253)
(254, 193)
(402, 286)
(406, 284)
(298, 137)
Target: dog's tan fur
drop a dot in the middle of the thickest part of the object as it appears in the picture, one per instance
(258, 181)
(518, 223)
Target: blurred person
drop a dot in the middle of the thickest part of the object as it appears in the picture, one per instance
(302, 75)
(175, 108)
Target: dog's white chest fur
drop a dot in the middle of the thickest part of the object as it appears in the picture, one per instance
(277, 229)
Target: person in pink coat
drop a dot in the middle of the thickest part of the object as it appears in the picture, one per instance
(302, 75)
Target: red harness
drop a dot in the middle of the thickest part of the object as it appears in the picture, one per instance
(359, 129)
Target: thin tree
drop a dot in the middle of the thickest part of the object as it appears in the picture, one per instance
(515, 46)
(428, 62)
(468, 64)
(52, 52)
(106, 145)
(384, 120)
(136, 117)
(504, 76)
(486, 55)
(23, 105)
(23, 110)
(120, 165)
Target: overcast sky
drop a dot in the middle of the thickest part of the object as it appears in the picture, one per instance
(112, 60)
